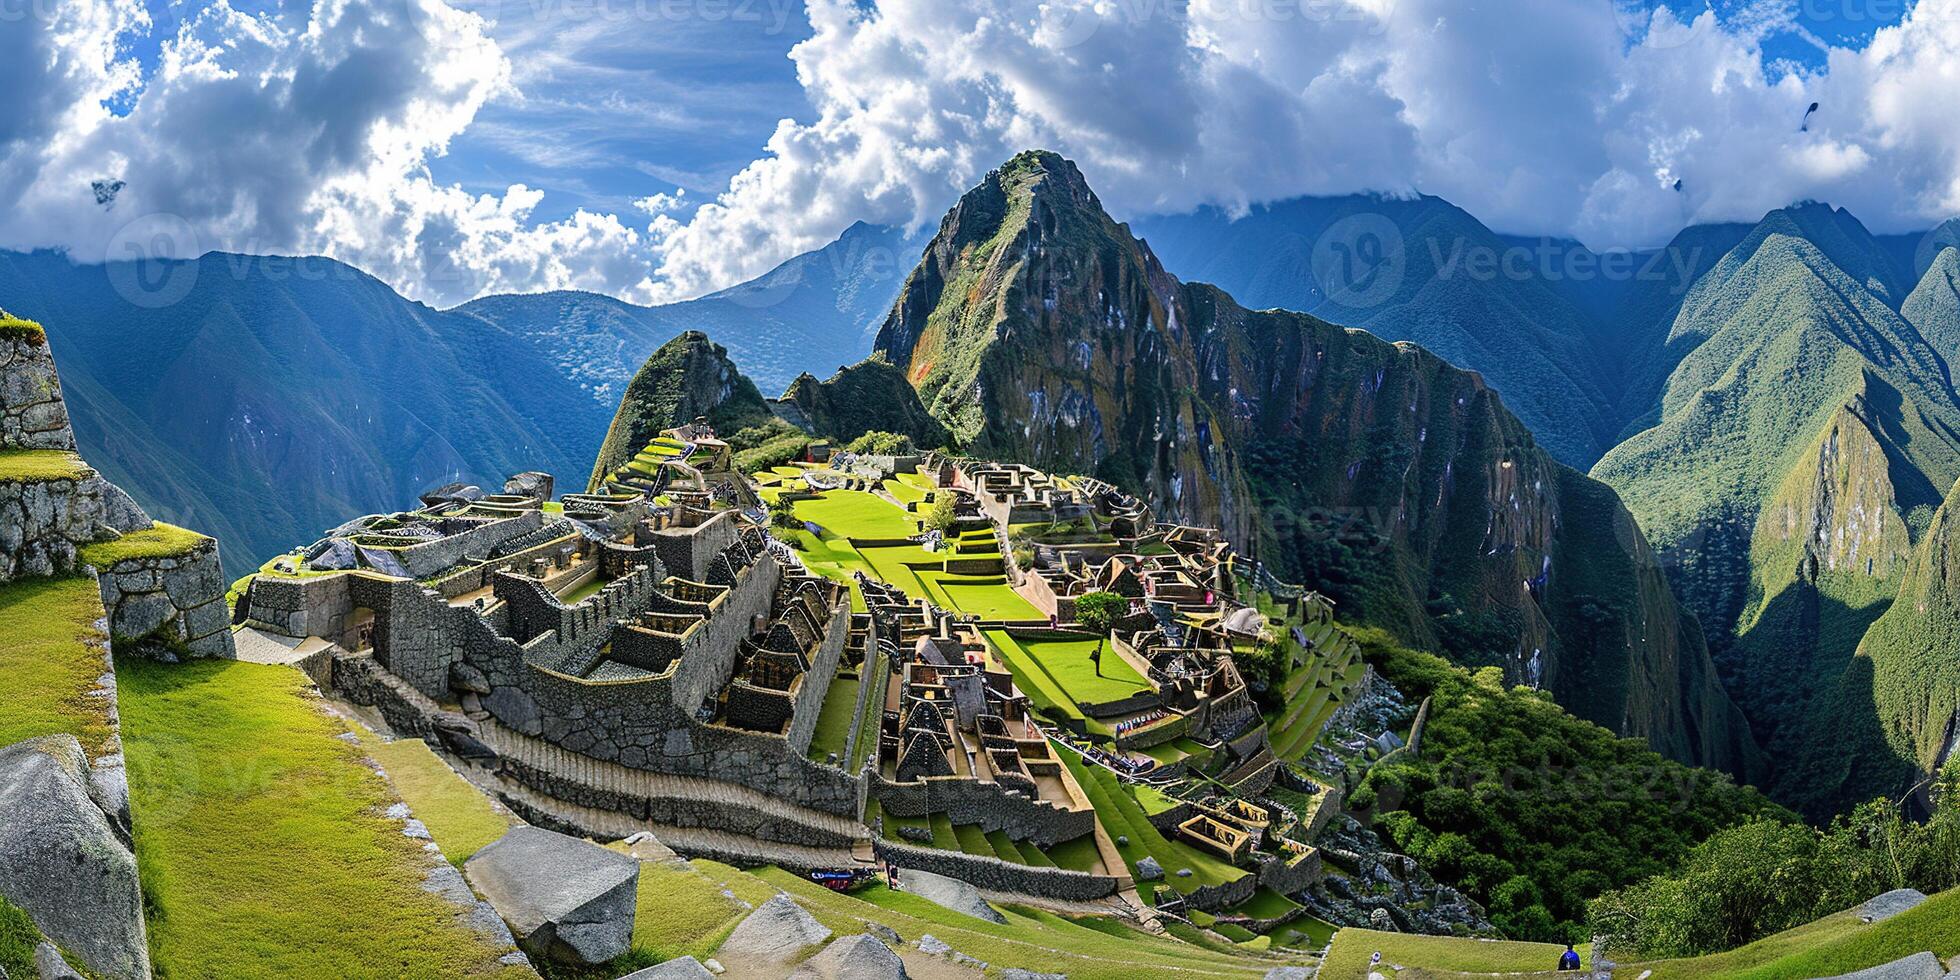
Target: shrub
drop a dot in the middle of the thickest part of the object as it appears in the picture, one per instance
(879, 443)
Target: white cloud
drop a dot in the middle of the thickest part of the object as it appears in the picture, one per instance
(311, 128)
(305, 130)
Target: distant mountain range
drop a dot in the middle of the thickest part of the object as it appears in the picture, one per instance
(277, 395)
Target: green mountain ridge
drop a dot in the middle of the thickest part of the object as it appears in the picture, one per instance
(1039, 329)
(1806, 432)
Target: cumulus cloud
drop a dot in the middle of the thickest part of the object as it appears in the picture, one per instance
(310, 128)
(306, 129)
(1560, 117)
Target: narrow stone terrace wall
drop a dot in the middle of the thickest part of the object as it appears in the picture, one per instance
(180, 596)
(32, 415)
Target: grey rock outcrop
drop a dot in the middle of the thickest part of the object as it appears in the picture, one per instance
(1149, 870)
(1891, 903)
(565, 899)
(776, 932)
(859, 957)
(951, 893)
(1918, 966)
(32, 414)
(64, 861)
(684, 968)
(49, 964)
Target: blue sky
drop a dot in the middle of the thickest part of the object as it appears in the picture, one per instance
(658, 149)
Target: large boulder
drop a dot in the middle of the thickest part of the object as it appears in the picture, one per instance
(565, 899)
(949, 892)
(63, 861)
(1918, 966)
(777, 931)
(684, 968)
(859, 957)
(1890, 904)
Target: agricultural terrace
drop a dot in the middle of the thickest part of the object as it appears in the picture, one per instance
(1056, 668)
(860, 531)
(53, 652)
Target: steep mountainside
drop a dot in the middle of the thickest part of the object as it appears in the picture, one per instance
(871, 394)
(1806, 433)
(812, 313)
(688, 377)
(1447, 282)
(1038, 328)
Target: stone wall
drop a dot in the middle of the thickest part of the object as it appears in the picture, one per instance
(965, 800)
(686, 551)
(815, 688)
(32, 415)
(42, 523)
(181, 597)
(994, 874)
(319, 605)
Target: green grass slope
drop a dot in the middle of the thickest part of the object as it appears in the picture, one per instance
(263, 843)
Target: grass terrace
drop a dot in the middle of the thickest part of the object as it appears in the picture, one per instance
(1064, 661)
(1348, 958)
(50, 657)
(1122, 816)
(460, 818)
(834, 721)
(40, 466)
(161, 541)
(263, 840)
(1085, 949)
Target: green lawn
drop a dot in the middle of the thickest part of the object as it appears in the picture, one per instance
(834, 722)
(160, 541)
(1066, 662)
(987, 597)
(680, 912)
(263, 842)
(903, 492)
(1348, 958)
(857, 514)
(1031, 939)
(1833, 945)
(50, 657)
(39, 466)
(458, 815)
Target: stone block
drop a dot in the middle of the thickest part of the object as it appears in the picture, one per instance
(565, 899)
(684, 968)
(859, 957)
(950, 893)
(777, 931)
(63, 861)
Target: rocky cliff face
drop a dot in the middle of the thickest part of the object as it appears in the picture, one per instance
(1038, 328)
